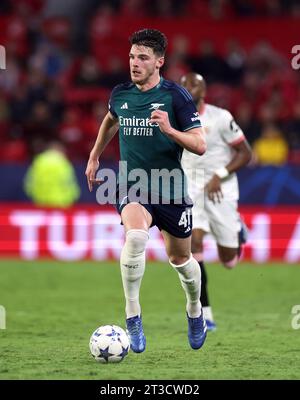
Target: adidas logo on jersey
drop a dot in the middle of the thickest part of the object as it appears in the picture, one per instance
(124, 106)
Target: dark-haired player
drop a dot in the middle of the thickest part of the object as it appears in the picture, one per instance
(156, 119)
(216, 202)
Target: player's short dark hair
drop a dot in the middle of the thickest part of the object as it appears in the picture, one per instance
(152, 38)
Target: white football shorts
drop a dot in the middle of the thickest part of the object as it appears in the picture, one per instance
(222, 220)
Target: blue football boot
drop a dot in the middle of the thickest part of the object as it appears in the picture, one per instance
(196, 331)
(136, 334)
(242, 236)
(211, 325)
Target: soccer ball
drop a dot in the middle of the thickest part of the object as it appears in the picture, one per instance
(109, 344)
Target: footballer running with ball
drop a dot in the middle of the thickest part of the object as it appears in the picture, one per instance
(156, 119)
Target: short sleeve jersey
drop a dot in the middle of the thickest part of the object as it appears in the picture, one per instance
(142, 144)
(221, 133)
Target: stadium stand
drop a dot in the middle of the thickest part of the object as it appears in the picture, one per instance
(62, 62)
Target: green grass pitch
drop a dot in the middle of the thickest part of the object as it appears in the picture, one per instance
(52, 308)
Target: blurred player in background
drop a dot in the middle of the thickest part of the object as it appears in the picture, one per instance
(156, 120)
(216, 203)
(50, 181)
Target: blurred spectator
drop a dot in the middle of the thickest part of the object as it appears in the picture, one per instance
(39, 128)
(89, 73)
(47, 81)
(267, 114)
(179, 49)
(91, 121)
(103, 22)
(294, 124)
(4, 119)
(50, 59)
(55, 100)
(166, 8)
(263, 59)
(90, 125)
(71, 133)
(19, 105)
(247, 92)
(271, 148)
(208, 63)
(37, 82)
(235, 60)
(272, 8)
(280, 107)
(67, 21)
(220, 9)
(295, 8)
(116, 73)
(293, 134)
(247, 121)
(4, 112)
(136, 8)
(177, 64)
(50, 180)
(11, 76)
(219, 95)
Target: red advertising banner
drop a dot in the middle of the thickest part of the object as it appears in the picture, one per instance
(94, 232)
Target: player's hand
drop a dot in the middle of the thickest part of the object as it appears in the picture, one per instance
(161, 118)
(90, 173)
(214, 190)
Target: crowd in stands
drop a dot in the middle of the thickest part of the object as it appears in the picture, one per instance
(55, 86)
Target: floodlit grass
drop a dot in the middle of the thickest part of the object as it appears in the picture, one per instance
(52, 308)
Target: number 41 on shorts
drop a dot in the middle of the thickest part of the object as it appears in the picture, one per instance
(186, 219)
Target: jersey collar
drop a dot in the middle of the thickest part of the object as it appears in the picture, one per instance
(152, 89)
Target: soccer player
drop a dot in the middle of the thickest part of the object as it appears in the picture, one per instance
(156, 119)
(216, 202)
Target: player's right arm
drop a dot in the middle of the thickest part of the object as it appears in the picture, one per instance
(107, 131)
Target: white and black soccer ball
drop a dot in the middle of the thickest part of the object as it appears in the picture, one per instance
(109, 344)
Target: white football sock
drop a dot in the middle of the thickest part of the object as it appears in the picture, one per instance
(133, 262)
(207, 313)
(190, 277)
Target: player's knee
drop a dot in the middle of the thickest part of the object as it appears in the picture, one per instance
(179, 260)
(231, 263)
(136, 240)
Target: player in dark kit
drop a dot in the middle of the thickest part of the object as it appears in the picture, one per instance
(156, 119)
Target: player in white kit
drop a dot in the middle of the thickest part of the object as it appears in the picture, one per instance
(216, 196)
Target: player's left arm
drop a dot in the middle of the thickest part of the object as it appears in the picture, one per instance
(194, 141)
